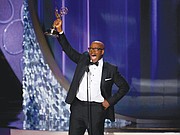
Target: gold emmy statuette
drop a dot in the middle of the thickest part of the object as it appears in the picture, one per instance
(52, 31)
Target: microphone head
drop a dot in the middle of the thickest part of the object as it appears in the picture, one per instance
(87, 69)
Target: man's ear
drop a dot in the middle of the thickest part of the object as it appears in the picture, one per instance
(102, 53)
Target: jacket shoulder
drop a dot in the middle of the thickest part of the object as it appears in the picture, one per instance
(110, 65)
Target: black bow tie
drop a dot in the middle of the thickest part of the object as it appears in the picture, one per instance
(94, 63)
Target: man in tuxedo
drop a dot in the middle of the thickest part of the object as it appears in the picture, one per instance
(90, 93)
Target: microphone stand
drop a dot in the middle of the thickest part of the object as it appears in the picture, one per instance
(89, 106)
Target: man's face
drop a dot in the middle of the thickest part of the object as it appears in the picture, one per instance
(96, 51)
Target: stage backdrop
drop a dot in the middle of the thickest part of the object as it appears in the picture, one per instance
(141, 37)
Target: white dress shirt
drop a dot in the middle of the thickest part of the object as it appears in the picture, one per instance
(94, 82)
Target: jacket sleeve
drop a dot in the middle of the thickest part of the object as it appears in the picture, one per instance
(121, 83)
(67, 48)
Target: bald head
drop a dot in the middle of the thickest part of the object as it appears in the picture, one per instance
(96, 51)
(101, 44)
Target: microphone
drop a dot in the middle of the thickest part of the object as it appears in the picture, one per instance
(87, 69)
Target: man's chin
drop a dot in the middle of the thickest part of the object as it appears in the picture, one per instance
(93, 59)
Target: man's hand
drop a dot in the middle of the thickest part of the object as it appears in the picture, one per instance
(58, 25)
(105, 104)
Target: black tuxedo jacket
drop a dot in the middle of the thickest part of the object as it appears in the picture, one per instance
(110, 76)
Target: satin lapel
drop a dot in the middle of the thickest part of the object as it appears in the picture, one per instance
(104, 74)
(82, 69)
